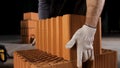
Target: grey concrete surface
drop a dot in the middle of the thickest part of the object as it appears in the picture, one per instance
(12, 44)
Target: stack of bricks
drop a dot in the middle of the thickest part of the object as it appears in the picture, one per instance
(28, 27)
(53, 33)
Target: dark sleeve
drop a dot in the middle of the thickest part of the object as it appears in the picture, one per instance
(67, 7)
(74, 7)
(43, 9)
(55, 7)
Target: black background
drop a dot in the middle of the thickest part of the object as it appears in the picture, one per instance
(12, 12)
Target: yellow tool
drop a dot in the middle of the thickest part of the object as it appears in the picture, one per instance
(3, 56)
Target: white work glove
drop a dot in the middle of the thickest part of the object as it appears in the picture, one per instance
(83, 38)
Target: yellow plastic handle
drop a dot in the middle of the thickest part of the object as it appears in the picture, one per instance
(2, 56)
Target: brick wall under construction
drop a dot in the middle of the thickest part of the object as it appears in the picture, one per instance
(51, 36)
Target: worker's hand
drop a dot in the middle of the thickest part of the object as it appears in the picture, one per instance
(83, 38)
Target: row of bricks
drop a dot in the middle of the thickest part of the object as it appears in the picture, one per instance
(53, 34)
(39, 59)
(69, 24)
(61, 28)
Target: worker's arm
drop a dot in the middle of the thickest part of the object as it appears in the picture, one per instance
(94, 9)
(84, 36)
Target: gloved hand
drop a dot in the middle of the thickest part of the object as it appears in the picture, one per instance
(83, 38)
